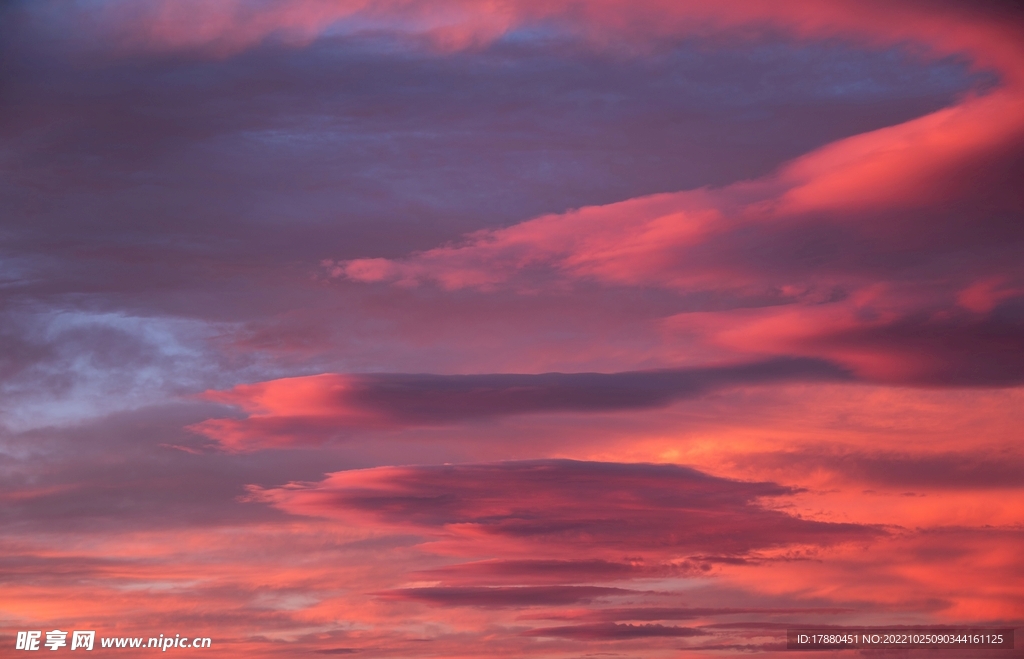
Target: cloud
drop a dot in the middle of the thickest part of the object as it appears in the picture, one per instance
(797, 226)
(877, 216)
(881, 337)
(676, 613)
(537, 571)
(784, 216)
(563, 507)
(232, 26)
(310, 410)
(614, 632)
(132, 472)
(860, 194)
(982, 469)
(854, 240)
(663, 240)
(518, 596)
(448, 145)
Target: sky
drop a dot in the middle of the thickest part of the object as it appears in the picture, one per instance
(509, 328)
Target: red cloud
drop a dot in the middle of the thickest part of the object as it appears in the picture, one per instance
(558, 508)
(828, 235)
(614, 632)
(499, 597)
(229, 26)
(881, 337)
(311, 410)
(669, 240)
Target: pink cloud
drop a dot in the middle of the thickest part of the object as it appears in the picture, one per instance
(555, 508)
(631, 242)
(227, 27)
(879, 337)
(538, 518)
(501, 597)
(311, 410)
(676, 240)
(614, 632)
(983, 296)
(871, 198)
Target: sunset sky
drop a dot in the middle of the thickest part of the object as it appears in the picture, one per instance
(510, 328)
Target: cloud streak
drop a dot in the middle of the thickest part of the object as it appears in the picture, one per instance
(615, 632)
(499, 597)
(311, 410)
(564, 506)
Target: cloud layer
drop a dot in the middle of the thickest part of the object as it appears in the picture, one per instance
(578, 507)
(633, 328)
